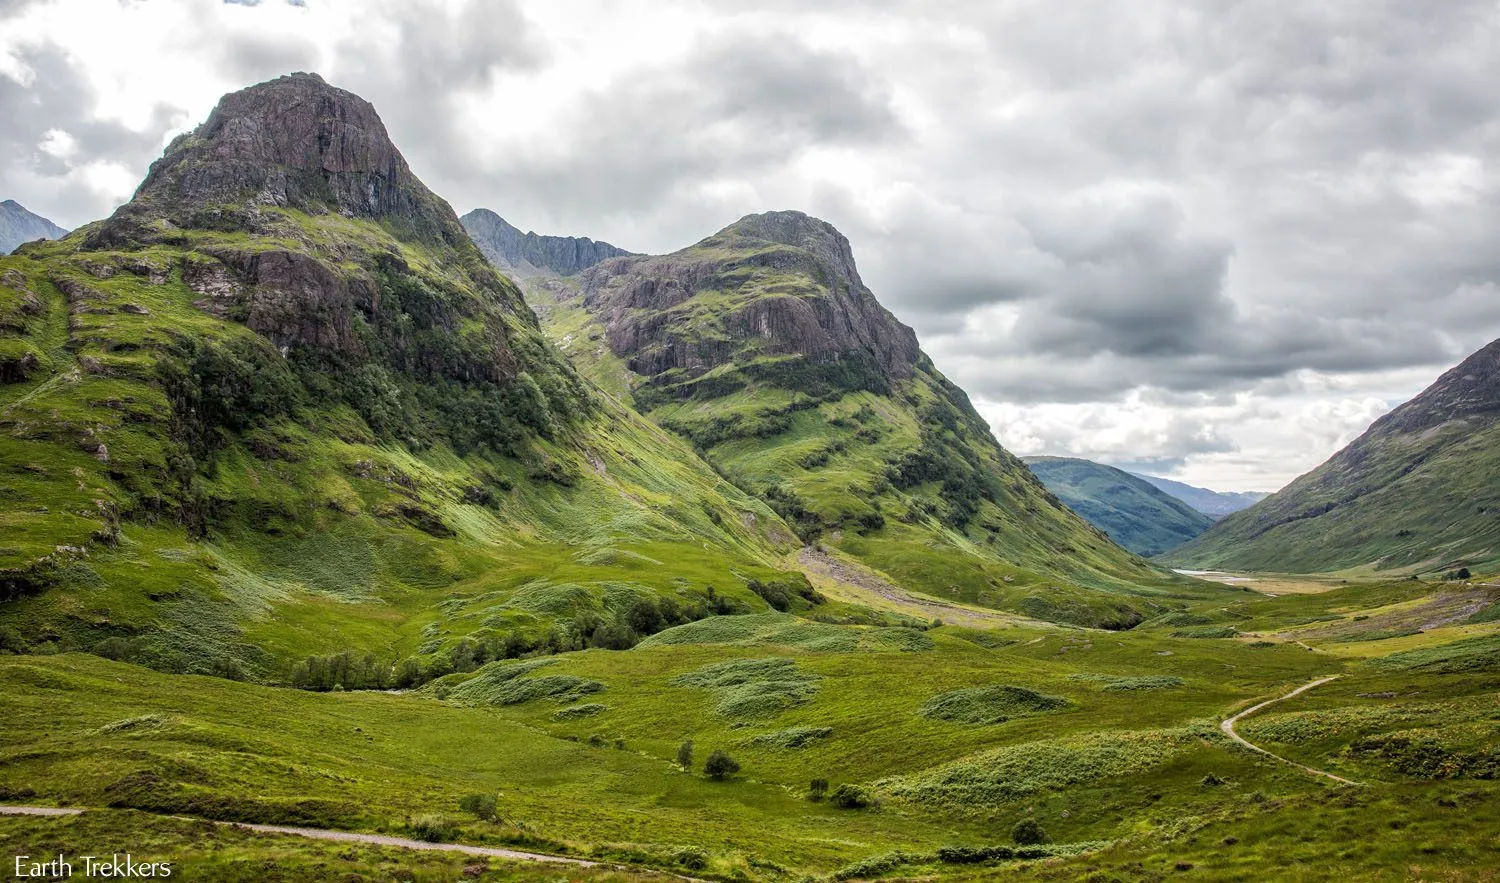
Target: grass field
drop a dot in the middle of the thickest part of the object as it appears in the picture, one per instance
(1108, 740)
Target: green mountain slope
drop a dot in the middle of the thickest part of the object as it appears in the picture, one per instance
(1135, 514)
(762, 347)
(1418, 491)
(279, 405)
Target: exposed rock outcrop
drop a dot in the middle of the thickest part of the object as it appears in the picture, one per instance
(798, 292)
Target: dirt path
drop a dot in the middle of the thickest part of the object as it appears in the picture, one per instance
(861, 581)
(1228, 727)
(352, 837)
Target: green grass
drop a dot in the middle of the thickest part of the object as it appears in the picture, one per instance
(1129, 776)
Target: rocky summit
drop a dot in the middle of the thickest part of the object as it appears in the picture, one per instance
(528, 254)
(1413, 494)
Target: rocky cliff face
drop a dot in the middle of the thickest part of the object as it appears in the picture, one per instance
(17, 225)
(790, 286)
(528, 254)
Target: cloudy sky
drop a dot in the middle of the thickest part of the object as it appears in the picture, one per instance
(1207, 239)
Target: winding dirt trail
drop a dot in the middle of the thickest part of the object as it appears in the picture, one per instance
(372, 839)
(1228, 727)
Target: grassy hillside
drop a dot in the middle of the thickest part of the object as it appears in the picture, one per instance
(1134, 513)
(234, 437)
(1416, 493)
(761, 347)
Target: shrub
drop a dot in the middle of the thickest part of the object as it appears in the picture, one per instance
(1028, 832)
(691, 857)
(1459, 574)
(432, 828)
(719, 765)
(817, 790)
(481, 806)
(850, 797)
(685, 754)
(1212, 780)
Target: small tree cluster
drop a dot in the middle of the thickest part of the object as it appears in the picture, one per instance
(720, 765)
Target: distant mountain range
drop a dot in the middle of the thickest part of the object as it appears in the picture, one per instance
(530, 254)
(17, 226)
(1135, 513)
(1214, 504)
(1419, 491)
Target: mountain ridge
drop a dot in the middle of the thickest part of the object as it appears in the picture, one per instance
(530, 253)
(19, 225)
(1414, 492)
(1135, 513)
(1214, 504)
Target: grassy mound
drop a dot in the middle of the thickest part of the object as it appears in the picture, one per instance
(783, 630)
(750, 688)
(575, 712)
(791, 738)
(989, 705)
(503, 683)
(1126, 684)
(1004, 774)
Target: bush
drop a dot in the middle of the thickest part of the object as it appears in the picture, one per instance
(691, 857)
(1212, 780)
(989, 705)
(850, 797)
(817, 790)
(719, 765)
(481, 806)
(685, 754)
(1460, 573)
(432, 828)
(1028, 832)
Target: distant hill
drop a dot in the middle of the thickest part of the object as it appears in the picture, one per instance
(1418, 492)
(529, 254)
(1214, 504)
(1134, 513)
(17, 225)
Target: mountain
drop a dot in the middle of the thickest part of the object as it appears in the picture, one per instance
(279, 406)
(762, 346)
(1214, 504)
(1419, 491)
(1134, 513)
(17, 225)
(528, 254)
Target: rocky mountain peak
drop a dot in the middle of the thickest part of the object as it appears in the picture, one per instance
(293, 142)
(798, 230)
(530, 254)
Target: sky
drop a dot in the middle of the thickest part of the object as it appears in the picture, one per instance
(1207, 240)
